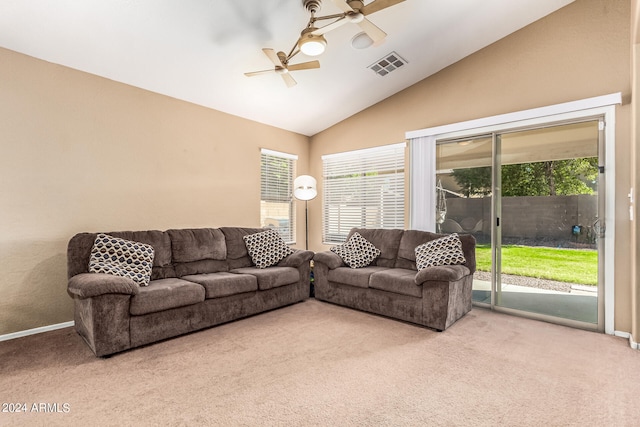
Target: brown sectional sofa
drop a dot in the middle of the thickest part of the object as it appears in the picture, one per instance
(391, 286)
(200, 278)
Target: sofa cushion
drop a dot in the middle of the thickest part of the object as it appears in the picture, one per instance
(162, 264)
(198, 251)
(271, 277)
(120, 257)
(237, 255)
(164, 294)
(203, 266)
(356, 252)
(355, 277)
(218, 285)
(396, 280)
(197, 244)
(266, 248)
(407, 250)
(387, 241)
(446, 250)
(80, 245)
(414, 238)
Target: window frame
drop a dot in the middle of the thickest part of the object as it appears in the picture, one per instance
(280, 193)
(375, 178)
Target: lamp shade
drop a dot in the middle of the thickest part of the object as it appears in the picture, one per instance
(304, 187)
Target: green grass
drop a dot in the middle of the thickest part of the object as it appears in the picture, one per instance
(564, 265)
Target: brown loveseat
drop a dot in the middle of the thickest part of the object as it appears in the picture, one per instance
(391, 286)
(200, 278)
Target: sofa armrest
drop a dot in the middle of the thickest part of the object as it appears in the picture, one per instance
(442, 273)
(296, 259)
(87, 285)
(330, 259)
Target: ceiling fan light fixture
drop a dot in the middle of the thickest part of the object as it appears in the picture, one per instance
(310, 44)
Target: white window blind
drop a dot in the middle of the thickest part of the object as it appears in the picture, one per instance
(277, 171)
(363, 188)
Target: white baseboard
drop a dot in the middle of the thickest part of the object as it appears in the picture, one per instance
(634, 345)
(34, 331)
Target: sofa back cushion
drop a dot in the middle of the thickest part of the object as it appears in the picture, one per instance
(413, 238)
(79, 251)
(388, 241)
(198, 250)
(237, 255)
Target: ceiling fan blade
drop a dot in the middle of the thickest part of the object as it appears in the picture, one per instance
(257, 73)
(271, 54)
(290, 82)
(376, 34)
(323, 30)
(342, 4)
(304, 66)
(378, 5)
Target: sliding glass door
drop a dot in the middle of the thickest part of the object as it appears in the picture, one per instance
(532, 198)
(464, 193)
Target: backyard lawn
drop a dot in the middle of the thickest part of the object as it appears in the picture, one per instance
(563, 265)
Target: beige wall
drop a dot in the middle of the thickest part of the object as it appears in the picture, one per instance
(83, 153)
(578, 52)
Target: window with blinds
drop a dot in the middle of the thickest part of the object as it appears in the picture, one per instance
(363, 188)
(277, 210)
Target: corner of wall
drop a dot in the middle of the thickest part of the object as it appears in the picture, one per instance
(635, 177)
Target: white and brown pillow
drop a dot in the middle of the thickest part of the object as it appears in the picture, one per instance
(120, 257)
(443, 251)
(266, 248)
(357, 252)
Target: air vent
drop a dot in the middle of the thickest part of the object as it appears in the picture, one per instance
(389, 63)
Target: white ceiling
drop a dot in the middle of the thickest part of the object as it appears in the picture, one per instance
(198, 50)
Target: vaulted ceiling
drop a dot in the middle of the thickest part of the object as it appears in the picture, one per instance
(199, 50)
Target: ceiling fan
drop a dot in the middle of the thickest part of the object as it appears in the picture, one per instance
(312, 41)
(282, 67)
(353, 11)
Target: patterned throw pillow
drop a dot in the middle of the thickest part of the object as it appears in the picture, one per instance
(119, 257)
(443, 251)
(266, 248)
(357, 252)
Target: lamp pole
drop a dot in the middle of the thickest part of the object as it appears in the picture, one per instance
(304, 188)
(306, 224)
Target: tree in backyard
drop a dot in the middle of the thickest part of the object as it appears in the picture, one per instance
(550, 178)
(473, 181)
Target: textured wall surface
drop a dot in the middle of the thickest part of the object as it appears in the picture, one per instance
(83, 153)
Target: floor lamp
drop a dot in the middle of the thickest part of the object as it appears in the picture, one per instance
(304, 188)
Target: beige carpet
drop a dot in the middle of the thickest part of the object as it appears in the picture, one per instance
(319, 364)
